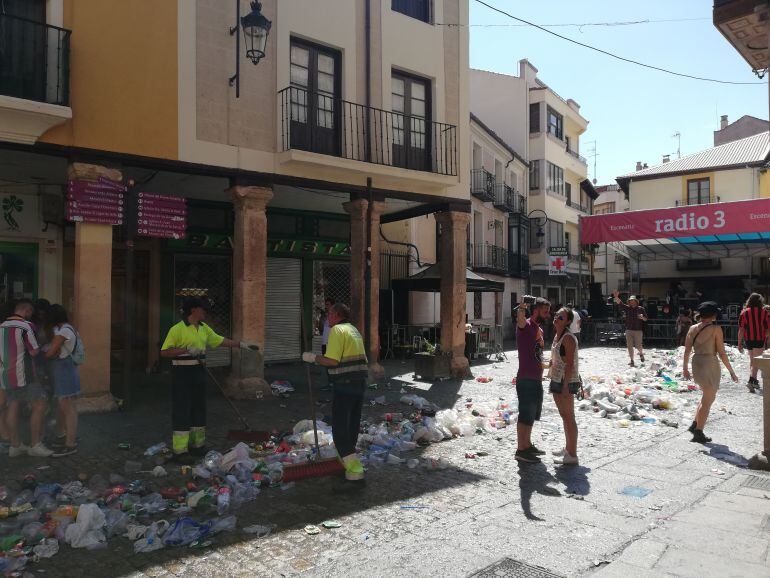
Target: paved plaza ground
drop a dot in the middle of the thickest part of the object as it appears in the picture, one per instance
(704, 515)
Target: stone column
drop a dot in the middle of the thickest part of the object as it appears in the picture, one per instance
(376, 371)
(92, 299)
(453, 288)
(359, 249)
(357, 210)
(249, 289)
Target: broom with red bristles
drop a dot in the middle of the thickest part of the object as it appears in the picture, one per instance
(315, 467)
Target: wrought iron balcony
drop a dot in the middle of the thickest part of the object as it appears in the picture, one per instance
(34, 60)
(582, 159)
(716, 199)
(321, 123)
(579, 207)
(489, 258)
(507, 199)
(518, 264)
(483, 185)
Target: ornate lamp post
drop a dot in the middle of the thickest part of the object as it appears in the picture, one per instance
(255, 31)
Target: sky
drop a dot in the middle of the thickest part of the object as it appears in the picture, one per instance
(632, 111)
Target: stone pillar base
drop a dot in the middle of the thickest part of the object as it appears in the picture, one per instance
(97, 403)
(376, 372)
(460, 368)
(246, 388)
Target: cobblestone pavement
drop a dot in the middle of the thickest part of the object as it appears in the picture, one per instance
(571, 521)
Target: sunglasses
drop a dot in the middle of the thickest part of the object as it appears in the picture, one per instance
(560, 317)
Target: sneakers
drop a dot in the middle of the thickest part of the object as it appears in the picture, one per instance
(631, 363)
(65, 451)
(354, 469)
(536, 451)
(39, 451)
(527, 456)
(558, 453)
(17, 452)
(641, 357)
(752, 384)
(566, 460)
(699, 437)
(692, 427)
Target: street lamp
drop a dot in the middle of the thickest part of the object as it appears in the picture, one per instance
(541, 221)
(255, 31)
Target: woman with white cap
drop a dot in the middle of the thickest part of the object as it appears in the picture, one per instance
(707, 340)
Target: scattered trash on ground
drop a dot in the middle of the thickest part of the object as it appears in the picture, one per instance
(312, 530)
(636, 492)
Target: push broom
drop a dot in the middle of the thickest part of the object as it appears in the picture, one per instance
(241, 435)
(314, 467)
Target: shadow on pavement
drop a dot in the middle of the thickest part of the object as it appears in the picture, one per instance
(725, 454)
(534, 478)
(575, 478)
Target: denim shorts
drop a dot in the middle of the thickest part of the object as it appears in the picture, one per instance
(558, 386)
(30, 392)
(64, 374)
(530, 394)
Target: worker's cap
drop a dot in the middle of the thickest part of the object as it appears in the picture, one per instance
(633, 298)
(708, 308)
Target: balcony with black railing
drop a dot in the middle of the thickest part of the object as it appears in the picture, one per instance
(322, 123)
(483, 185)
(34, 60)
(518, 264)
(579, 207)
(488, 258)
(507, 199)
(575, 154)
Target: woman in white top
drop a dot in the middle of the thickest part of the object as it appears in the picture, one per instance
(64, 374)
(565, 383)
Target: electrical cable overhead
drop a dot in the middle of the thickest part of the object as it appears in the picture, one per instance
(577, 24)
(612, 55)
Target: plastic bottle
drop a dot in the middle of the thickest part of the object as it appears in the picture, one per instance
(223, 500)
(156, 449)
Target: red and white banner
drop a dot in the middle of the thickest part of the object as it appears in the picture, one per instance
(689, 221)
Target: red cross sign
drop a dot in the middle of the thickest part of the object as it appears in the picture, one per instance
(556, 265)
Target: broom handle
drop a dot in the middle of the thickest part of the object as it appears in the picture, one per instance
(309, 380)
(230, 401)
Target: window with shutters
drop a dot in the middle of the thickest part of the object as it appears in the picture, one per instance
(534, 117)
(418, 9)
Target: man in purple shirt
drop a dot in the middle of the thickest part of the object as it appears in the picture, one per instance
(529, 378)
(636, 316)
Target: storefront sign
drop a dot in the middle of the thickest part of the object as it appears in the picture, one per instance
(690, 221)
(288, 247)
(161, 216)
(558, 251)
(99, 202)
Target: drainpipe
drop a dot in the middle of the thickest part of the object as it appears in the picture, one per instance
(368, 96)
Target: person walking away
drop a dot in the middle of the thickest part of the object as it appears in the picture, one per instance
(635, 318)
(565, 383)
(348, 368)
(753, 326)
(64, 377)
(19, 383)
(529, 377)
(577, 321)
(683, 324)
(186, 345)
(706, 339)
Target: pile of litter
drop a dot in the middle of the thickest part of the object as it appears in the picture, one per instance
(654, 393)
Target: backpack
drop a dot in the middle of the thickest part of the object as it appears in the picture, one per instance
(78, 354)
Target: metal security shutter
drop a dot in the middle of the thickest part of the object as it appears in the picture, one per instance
(282, 315)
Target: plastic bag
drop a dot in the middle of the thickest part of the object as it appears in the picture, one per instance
(152, 504)
(260, 531)
(212, 460)
(185, 531)
(239, 454)
(135, 531)
(88, 529)
(226, 524)
(152, 540)
(47, 548)
(116, 522)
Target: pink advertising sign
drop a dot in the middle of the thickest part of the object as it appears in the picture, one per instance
(689, 221)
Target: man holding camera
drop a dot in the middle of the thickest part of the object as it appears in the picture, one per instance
(635, 319)
(530, 342)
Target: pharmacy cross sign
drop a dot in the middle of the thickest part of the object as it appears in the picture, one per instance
(556, 265)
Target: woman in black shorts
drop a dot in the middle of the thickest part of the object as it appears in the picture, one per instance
(565, 383)
(753, 333)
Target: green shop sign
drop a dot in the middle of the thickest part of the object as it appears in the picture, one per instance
(298, 247)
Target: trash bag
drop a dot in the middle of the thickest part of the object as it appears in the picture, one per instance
(116, 522)
(88, 529)
(185, 531)
(225, 524)
(212, 460)
(47, 548)
(135, 531)
(260, 531)
(152, 504)
(152, 539)
(32, 532)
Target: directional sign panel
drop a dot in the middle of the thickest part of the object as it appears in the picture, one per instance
(161, 216)
(100, 202)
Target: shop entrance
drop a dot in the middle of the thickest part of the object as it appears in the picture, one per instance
(18, 273)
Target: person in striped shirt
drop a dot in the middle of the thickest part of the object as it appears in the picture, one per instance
(753, 333)
(18, 380)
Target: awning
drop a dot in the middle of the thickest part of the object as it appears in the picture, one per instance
(429, 280)
(735, 229)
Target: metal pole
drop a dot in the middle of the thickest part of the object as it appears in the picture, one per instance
(368, 269)
(129, 301)
(606, 268)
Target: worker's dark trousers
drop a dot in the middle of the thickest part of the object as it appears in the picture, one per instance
(188, 407)
(346, 413)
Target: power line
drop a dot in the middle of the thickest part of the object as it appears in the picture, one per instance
(610, 54)
(576, 24)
